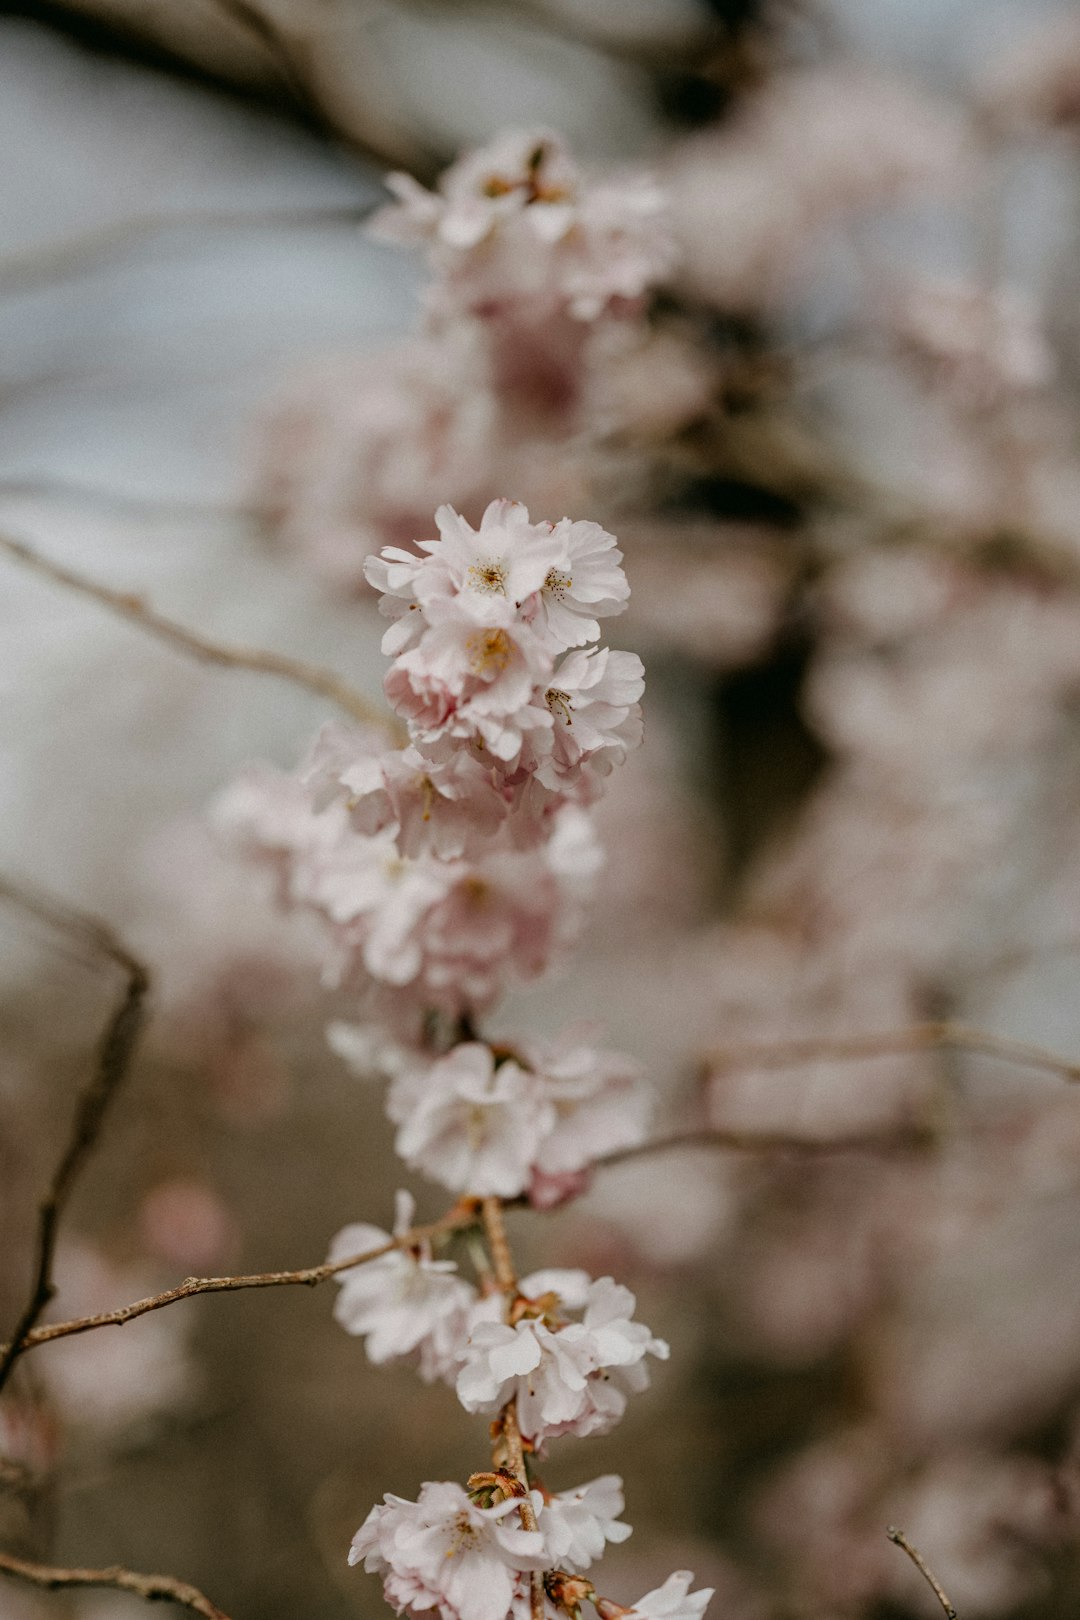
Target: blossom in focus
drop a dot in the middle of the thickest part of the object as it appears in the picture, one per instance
(672, 1601)
(476, 1127)
(404, 1304)
(577, 1524)
(568, 1377)
(443, 1552)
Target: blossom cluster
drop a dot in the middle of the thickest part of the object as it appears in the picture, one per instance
(515, 222)
(540, 284)
(448, 865)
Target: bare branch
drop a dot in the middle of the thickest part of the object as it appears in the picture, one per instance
(455, 1219)
(35, 266)
(145, 508)
(782, 1054)
(136, 611)
(903, 1139)
(110, 1070)
(899, 1538)
(153, 1588)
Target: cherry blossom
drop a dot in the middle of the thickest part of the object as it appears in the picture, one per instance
(672, 1601)
(515, 222)
(476, 1127)
(567, 1377)
(404, 1304)
(577, 1524)
(443, 1552)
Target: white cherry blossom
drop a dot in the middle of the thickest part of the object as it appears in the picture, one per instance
(476, 1127)
(672, 1601)
(566, 1376)
(404, 1304)
(577, 1524)
(443, 1552)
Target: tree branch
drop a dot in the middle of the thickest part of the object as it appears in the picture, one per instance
(782, 1054)
(509, 1431)
(110, 1070)
(34, 266)
(153, 1588)
(900, 1540)
(455, 1219)
(905, 1138)
(136, 611)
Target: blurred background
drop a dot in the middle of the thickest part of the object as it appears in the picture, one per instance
(840, 448)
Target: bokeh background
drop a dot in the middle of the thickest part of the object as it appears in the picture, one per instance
(841, 450)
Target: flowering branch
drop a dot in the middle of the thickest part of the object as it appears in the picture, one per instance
(919, 1037)
(135, 611)
(455, 1219)
(898, 1537)
(153, 1588)
(502, 1262)
(113, 1061)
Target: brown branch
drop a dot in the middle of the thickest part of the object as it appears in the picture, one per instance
(460, 1216)
(900, 1540)
(136, 611)
(113, 1060)
(905, 1138)
(502, 1263)
(782, 1054)
(153, 1588)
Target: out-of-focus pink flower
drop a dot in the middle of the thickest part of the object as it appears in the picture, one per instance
(749, 200)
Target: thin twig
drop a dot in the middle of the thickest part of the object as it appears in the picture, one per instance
(145, 508)
(782, 1054)
(153, 1588)
(136, 611)
(460, 1216)
(924, 1569)
(502, 1263)
(39, 265)
(903, 1139)
(113, 1061)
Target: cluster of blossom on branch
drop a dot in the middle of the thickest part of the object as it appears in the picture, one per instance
(539, 283)
(431, 863)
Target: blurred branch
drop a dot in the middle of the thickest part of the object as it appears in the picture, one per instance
(153, 1588)
(900, 1540)
(35, 266)
(136, 611)
(143, 507)
(782, 1054)
(455, 1219)
(114, 1058)
(904, 1139)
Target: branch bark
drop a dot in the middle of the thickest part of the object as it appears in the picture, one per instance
(152, 1588)
(110, 1070)
(898, 1538)
(455, 1219)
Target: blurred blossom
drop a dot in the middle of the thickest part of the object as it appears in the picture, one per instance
(981, 346)
(752, 200)
(109, 1382)
(1035, 81)
(185, 1222)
